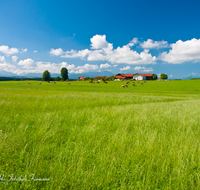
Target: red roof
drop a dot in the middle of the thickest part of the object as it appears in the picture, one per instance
(81, 77)
(147, 75)
(118, 76)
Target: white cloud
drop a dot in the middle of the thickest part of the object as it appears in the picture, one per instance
(98, 42)
(14, 58)
(88, 67)
(35, 51)
(171, 76)
(74, 54)
(194, 73)
(115, 65)
(125, 68)
(27, 63)
(106, 65)
(24, 50)
(56, 52)
(188, 51)
(2, 58)
(143, 69)
(101, 50)
(133, 42)
(7, 50)
(150, 44)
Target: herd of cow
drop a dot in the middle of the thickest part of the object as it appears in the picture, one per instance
(126, 86)
(122, 86)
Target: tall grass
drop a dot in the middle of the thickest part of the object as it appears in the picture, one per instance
(117, 139)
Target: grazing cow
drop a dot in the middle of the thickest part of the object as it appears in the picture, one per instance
(97, 82)
(122, 86)
(39, 83)
(105, 81)
(50, 81)
(133, 84)
(54, 82)
(29, 83)
(127, 82)
(145, 81)
(126, 86)
(141, 83)
(69, 83)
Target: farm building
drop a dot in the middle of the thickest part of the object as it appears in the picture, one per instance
(136, 76)
(81, 78)
(141, 76)
(124, 76)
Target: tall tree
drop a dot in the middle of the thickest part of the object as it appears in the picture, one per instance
(163, 76)
(46, 75)
(64, 73)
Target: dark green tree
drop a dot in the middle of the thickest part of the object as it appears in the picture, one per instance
(64, 73)
(154, 77)
(163, 76)
(58, 78)
(46, 76)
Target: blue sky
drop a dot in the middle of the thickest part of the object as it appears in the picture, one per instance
(90, 36)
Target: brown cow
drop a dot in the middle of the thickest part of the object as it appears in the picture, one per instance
(69, 83)
(39, 83)
(122, 86)
(133, 84)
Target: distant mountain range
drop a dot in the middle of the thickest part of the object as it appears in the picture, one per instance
(71, 75)
(191, 77)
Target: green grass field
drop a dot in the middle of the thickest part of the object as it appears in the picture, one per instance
(100, 136)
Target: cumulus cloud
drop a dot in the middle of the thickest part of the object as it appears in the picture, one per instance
(74, 54)
(98, 42)
(35, 51)
(115, 65)
(125, 68)
(101, 50)
(143, 69)
(14, 58)
(7, 50)
(88, 67)
(2, 58)
(171, 76)
(183, 51)
(24, 50)
(103, 66)
(56, 52)
(27, 63)
(150, 44)
(133, 42)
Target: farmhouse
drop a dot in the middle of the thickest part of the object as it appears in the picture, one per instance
(81, 78)
(141, 76)
(124, 76)
(136, 76)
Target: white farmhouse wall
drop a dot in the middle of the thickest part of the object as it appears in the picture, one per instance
(139, 77)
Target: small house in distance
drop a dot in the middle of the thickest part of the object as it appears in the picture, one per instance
(141, 76)
(124, 76)
(81, 78)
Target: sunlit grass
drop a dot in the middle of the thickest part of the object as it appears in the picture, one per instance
(104, 139)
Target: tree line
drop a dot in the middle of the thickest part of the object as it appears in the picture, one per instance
(64, 75)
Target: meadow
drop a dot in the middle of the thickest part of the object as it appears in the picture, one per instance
(100, 136)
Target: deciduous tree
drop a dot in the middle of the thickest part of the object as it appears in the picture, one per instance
(64, 73)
